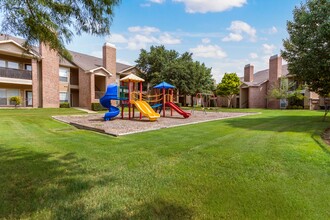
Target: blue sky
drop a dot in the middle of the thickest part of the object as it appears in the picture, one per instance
(224, 34)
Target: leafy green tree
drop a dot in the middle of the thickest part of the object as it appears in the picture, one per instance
(154, 63)
(187, 75)
(53, 22)
(229, 86)
(307, 49)
(286, 90)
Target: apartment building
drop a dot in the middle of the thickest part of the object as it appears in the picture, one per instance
(256, 86)
(43, 79)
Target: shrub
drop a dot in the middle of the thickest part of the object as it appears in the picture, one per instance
(64, 105)
(16, 100)
(97, 107)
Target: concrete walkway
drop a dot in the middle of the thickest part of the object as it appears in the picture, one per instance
(86, 110)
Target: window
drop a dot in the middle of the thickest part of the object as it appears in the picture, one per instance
(28, 67)
(64, 74)
(12, 65)
(6, 94)
(3, 97)
(2, 63)
(64, 97)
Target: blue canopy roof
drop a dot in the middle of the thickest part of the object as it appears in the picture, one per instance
(164, 85)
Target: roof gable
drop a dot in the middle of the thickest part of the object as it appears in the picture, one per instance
(100, 71)
(12, 47)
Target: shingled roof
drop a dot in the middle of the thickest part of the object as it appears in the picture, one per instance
(84, 61)
(262, 76)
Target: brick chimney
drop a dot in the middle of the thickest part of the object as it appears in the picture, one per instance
(49, 86)
(275, 72)
(248, 73)
(275, 69)
(109, 61)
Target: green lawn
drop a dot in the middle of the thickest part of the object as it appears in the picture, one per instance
(272, 165)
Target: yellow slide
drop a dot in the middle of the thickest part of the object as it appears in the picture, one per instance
(146, 110)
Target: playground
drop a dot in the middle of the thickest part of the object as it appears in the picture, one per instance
(118, 126)
(146, 112)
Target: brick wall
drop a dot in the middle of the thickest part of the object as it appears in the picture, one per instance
(257, 96)
(49, 77)
(248, 73)
(275, 72)
(84, 89)
(109, 61)
(35, 84)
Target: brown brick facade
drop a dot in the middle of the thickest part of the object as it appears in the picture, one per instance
(248, 73)
(35, 84)
(275, 72)
(109, 61)
(257, 96)
(49, 78)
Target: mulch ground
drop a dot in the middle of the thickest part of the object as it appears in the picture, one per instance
(118, 126)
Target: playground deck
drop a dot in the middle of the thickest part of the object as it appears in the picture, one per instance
(118, 126)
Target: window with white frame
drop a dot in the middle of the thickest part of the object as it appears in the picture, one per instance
(64, 97)
(64, 74)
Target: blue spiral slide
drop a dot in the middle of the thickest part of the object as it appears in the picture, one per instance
(111, 94)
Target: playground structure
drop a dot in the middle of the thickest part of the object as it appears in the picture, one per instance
(111, 94)
(134, 98)
(168, 99)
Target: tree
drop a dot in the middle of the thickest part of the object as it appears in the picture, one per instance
(53, 22)
(229, 86)
(286, 90)
(187, 75)
(307, 50)
(155, 63)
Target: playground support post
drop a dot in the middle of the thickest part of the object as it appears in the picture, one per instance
(140, 98)
(164, 97)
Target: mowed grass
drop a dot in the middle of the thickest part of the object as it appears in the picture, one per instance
(273, 165)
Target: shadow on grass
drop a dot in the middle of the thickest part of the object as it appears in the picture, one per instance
(289, 123)
(325, 148)
(158, 209)
(32, 182)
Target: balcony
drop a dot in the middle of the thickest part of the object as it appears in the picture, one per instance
(16, 74)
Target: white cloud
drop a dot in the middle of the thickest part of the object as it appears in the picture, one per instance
(166, 38)
(268, 48)
(144, 30)
(149, 2)
(253, 55)
(144, 36)
(157, 1)
(204, 6)
(206, 40)
(209, 51)
(238, 28)
(233, 37)
(140, 41)
(272, 30)
(116, 38)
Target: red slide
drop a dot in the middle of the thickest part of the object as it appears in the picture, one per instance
(177, 109)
